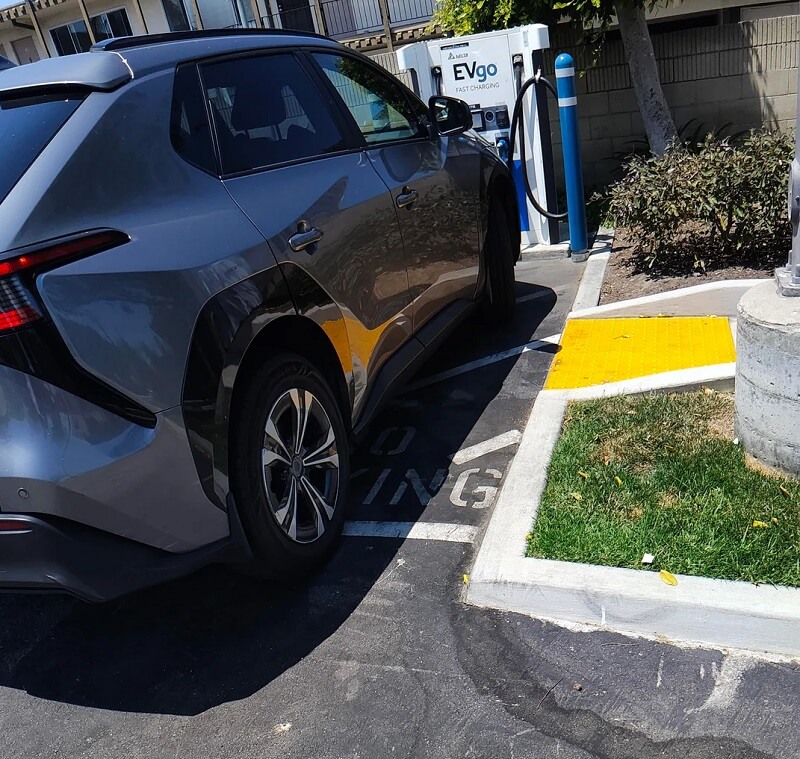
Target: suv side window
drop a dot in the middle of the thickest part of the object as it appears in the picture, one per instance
(267, 111)
(379, 104)
(189, 129)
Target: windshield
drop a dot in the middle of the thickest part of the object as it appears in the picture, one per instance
(26, 126)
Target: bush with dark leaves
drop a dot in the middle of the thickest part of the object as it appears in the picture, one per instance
(714, 205)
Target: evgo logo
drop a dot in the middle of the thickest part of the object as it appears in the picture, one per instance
(463, 71)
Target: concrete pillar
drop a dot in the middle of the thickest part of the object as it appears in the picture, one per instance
(38, 29)
(768, 378)
(137, 6)
(198, 19)
(87, 21)
(387, 24)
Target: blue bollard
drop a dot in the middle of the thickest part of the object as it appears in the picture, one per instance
(573, 171)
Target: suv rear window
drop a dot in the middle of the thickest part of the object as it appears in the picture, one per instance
(28, 124)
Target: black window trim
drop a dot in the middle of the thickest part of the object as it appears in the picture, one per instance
(192, 65)
(409, 95)
(332, 106)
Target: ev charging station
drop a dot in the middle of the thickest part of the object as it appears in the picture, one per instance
(487, 71)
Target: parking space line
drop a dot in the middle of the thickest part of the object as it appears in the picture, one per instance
(535, 345)
(534, 296)
(448, 532)
(487, 446)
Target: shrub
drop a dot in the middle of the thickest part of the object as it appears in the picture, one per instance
(709, 205)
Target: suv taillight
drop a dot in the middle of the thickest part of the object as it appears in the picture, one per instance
(18, 306)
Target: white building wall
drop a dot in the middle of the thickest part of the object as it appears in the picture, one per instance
(51, 18)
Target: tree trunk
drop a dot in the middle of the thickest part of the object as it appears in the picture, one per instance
(658, 123)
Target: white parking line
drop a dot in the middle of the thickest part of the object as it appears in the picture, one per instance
(534, 296)
(451, 533)
(535, 345)
(487, 446)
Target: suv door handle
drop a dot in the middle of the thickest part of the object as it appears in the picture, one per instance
(407, 197)
(306, 236)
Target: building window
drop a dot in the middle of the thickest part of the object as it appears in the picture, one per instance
(111, 24)
(219, 15)
(177, 18)
(71, 38)
(74, 38)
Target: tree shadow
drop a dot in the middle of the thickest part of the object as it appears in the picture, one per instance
(218, 636)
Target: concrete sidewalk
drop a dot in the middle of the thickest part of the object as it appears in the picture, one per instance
(674, 341)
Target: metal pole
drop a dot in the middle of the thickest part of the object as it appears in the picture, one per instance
(573, 172)
(788, 277)
(543, 120)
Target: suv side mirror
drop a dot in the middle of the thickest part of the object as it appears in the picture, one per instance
(451, 115)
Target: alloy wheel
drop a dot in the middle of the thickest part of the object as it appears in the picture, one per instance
(300, 465)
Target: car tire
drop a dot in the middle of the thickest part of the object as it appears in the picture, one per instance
(291, 496)
(499, 301)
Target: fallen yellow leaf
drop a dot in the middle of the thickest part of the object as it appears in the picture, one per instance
(618, 481)
(576, 496)
(584, 475)
(774, 520)
(785, 491)
(668, 577)
(466, 579)
(759, 524)
(528, 537)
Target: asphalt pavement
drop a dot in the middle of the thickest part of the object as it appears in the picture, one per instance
(377, 656)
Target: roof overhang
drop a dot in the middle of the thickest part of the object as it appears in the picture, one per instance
(21, 10)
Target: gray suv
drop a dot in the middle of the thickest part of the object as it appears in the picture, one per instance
(221, 252)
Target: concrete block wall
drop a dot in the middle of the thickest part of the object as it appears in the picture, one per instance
(741, 75)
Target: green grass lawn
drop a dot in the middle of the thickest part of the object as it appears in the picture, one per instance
(662, 475)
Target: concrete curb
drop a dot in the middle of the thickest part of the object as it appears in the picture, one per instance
(602, 244)
(717, 376)
(709, 299)
(593, 275)
(698, 611)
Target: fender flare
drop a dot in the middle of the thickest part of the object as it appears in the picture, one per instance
(229, 334)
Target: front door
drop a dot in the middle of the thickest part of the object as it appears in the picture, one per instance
(432, 185)
(314, 196)
(25, 50)
(296, 14)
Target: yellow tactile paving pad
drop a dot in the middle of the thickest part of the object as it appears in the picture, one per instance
(597, 351)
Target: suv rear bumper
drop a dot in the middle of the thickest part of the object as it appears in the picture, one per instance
(56, 555)
(63, 456)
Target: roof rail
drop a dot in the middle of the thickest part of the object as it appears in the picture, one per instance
(125, 43)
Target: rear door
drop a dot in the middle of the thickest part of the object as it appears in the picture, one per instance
(289, 161)
(433, 186)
